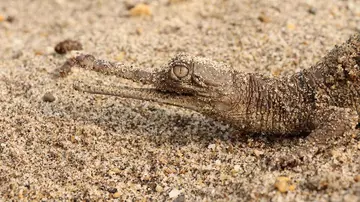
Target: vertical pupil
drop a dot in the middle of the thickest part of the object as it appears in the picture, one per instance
(180, 71)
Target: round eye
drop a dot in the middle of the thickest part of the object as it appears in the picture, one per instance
(180, 71)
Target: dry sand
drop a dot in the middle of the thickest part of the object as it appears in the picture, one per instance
(84, 146)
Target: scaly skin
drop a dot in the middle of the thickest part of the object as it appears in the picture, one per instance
(322, 100)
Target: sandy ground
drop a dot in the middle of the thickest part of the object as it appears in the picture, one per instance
(88, 147)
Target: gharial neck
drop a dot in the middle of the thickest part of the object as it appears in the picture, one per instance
(335, 79)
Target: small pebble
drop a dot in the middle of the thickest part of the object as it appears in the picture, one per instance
(211, 146)
(67, 45)
(174, 193)
(264, 19)
(290, 26)
(116, 170)
(48, 97)
(116, 195)
(159, 188)
(357, 178)
(10, 19)
(312, 10)
(112, 190)
(282, 184)
(237, 168)
(218, 162)
(141, 10)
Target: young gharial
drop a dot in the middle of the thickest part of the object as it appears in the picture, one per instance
(323, 100)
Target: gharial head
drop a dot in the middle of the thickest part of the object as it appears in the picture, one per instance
(196, 83)
(187, 81)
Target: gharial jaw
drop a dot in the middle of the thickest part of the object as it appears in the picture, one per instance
(190, 82)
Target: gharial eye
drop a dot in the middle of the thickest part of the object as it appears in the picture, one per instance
(180, 71)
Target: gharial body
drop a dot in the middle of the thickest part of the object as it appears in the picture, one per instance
(323, 100)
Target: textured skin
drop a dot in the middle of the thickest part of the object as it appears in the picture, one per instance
(322, 100)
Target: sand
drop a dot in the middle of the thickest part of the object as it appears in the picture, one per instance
(80, 146)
